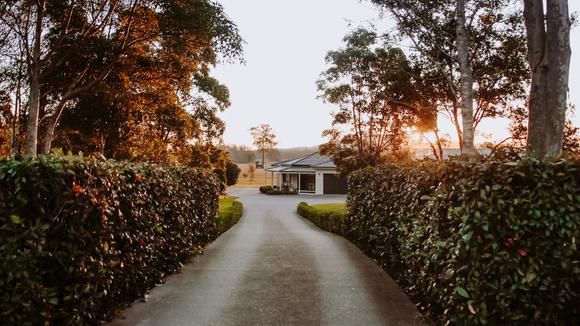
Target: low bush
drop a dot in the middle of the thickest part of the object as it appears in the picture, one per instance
(232, 173)
(269, 190)
(80, 238)
(329, 217)
(229, 213)
(475, 242)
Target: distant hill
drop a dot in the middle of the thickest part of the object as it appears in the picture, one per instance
(288, 153)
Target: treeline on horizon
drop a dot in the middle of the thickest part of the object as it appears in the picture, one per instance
(243, 154)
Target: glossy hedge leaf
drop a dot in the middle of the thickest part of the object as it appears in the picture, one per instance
(462, 292)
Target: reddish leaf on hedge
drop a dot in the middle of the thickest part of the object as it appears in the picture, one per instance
(523, 252)
(138, 177)
(141, 242)
(509, 242)
(76, 189)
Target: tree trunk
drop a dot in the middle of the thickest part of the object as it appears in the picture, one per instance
(48, 136)
(263, 152)
(51, 127)
(549, 58)
(439, 146)
(35, 64)
(466, 79)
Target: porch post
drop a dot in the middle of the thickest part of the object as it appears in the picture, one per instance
(299, 183)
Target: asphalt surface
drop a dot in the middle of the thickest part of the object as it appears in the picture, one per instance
(275, 268)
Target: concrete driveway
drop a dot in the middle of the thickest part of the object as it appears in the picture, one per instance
(275, 268)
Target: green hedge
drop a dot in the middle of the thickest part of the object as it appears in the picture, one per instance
(81, 238)
(475, 242)
(229, 213)
(329, 217)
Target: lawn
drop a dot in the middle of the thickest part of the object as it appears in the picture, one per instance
(229, 212)
(261, 178)
(329, 217)
(334, 209)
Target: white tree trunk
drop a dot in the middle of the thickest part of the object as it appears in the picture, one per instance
(35, 65)
(466, 79)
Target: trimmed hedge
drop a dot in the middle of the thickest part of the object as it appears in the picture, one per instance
(475, 242)
(81, 238)
(326, 218)
(269, 190)
(229, 213)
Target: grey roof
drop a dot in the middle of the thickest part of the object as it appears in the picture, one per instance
(297, 170)
(306, 163)
(327, 165)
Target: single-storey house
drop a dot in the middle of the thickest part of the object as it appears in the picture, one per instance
(309, 174)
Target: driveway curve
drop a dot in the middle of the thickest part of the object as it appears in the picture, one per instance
(275, 268)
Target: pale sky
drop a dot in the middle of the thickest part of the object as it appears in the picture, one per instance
(286, 45)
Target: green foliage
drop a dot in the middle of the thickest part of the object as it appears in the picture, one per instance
(329, 217)
(378, 99)
(497, 46)
(475, 242)
(79, 237)
(229, 213)
(269, 190)
(232, 173)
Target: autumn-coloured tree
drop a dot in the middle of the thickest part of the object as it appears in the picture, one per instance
(5, 124)
(251, 171)
(70, 47)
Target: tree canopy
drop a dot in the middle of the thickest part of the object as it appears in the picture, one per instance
(378, 97)
(127, 79)
(496, 42)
